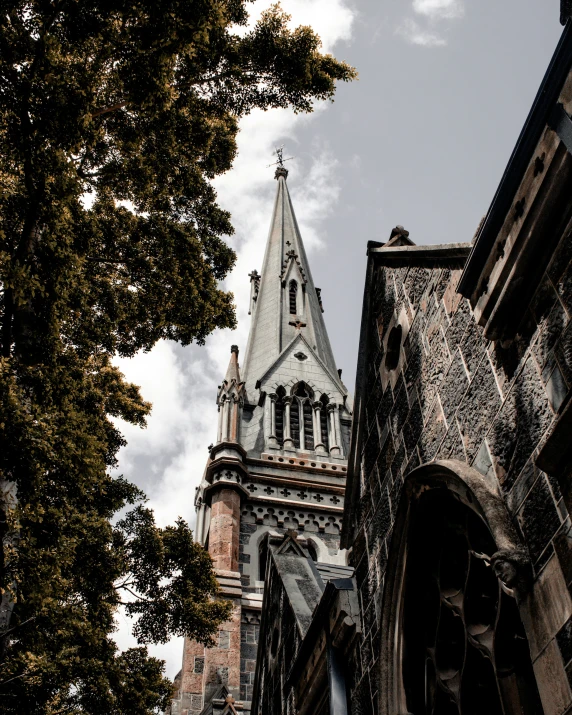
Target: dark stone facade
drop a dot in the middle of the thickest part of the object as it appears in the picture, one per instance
(456, 395)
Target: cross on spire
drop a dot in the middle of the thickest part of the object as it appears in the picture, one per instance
(279, 151)
(279, 163)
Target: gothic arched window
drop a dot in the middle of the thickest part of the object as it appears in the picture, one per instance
(301, 417)
(464, 648)
(262, 559)
(312, 551)
(293, 295)
(324, 421)
(281, 393)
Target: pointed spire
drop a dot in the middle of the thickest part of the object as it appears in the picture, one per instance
(231, 385)
(287, 302)
(233, 370)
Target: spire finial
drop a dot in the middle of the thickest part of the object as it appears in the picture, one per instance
(279, 164)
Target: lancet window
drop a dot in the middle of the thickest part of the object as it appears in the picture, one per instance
(304, 395)
(293, 296)
(262, 559)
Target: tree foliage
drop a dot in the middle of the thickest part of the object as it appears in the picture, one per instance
(134, 103)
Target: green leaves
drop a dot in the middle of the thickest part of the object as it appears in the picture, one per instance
(170, 580)
(135, 104)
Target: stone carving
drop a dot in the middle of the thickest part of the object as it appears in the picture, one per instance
(227, 475)
(514, 571)
(305, 495)
(290, 519)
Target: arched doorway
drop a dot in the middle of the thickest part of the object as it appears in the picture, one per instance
(453, 642)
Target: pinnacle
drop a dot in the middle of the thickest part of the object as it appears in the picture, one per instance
(233, 370)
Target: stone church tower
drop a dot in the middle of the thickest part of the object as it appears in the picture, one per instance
(278, 465)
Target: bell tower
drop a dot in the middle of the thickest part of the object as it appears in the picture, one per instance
(278, 464)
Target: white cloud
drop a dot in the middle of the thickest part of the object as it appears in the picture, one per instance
(416, 35)
(168, 458)
(331, 19)
(439, 9)
(436, 16)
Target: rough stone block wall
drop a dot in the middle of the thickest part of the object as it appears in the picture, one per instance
(249, 635)
(455, 395)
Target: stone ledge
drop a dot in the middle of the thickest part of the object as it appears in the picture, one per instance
(228, 591)
(221, 573)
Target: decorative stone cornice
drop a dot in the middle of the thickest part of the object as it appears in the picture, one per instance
(224, 479)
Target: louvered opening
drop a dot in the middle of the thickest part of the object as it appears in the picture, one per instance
(295, 423)
(308, 425)
(280, 415)
(324, 421)
(293, 295)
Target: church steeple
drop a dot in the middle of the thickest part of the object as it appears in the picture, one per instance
(278, 463)
(287, 303)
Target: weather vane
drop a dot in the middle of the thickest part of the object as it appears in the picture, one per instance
(279, 151)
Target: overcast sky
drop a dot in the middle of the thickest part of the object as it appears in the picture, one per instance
(421, 139)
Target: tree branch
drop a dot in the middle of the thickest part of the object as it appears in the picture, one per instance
(23, 675)
(105, 260)
(107, 110)
(15, 628)
(142, 598)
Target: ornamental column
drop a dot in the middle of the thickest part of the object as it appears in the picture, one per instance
(288, 441)
(338, 428)
(234, 418)
(319, 446)
(220, 420)
(334, 448)
(272, 439)
(224, 419)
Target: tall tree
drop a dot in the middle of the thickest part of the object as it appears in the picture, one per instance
(134, 104)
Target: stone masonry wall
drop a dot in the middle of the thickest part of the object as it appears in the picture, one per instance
(455, 395)
(249, 636)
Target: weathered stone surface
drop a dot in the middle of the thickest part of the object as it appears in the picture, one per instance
(563, 547)
(547, 607)
(538, 518)
(459, 321)
(433, 369)
(454, 385)
(452, 445)
(490, 404)
(550, 330)
(433, 434)
(560, 260)
(552, 681)
(479, 407)
(522, 486)
(521, 423)
(564, 287)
